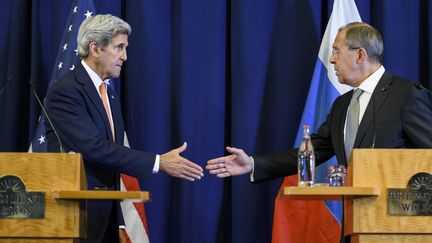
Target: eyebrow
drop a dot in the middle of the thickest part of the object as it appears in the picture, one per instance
(121, 44)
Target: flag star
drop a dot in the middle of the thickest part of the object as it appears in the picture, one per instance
(76, 52)
(70, 28)
(41, 139)
(88, 14)
(60, 65)
(65, 47)
(75, 9)
(72, 68)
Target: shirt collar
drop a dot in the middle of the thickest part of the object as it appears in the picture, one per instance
(369, 84)
(97, 81)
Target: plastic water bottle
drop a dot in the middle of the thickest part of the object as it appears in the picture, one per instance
(306, 160)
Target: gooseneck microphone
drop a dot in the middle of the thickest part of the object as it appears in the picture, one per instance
(420, 86)
(8, 83)
(32, 84)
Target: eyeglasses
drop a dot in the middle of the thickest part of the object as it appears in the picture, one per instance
(337, 51)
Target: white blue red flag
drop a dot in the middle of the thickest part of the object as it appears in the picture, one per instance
(316, 221)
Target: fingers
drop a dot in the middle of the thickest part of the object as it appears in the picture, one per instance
(220, 173)
(182, 148)
(217, 160)
(186, 169)
(193, 169)
(234, 150)
(216, 163)
(191, 175)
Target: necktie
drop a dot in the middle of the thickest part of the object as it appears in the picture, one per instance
(104, 97)
(352, 122)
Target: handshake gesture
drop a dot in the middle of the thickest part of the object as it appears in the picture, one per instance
(237, 163)
(175, 165)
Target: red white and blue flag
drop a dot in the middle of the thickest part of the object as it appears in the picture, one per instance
(316, 221)
(67, 56)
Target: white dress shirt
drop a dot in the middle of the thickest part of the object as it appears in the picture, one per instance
(368, 86)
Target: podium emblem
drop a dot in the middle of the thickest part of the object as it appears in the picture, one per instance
(415, 200)
(17, 203)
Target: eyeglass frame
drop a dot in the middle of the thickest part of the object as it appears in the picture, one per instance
(335, 52)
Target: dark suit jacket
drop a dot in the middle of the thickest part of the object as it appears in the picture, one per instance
(399, 115)
(77, 112)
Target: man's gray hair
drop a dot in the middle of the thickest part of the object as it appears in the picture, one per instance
(100, 29)
(362, 35)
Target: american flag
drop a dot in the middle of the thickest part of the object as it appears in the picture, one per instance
(67, 56)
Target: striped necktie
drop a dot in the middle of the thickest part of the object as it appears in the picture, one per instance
(352, 122)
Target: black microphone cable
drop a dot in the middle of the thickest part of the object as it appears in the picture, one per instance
(8, 83)
(32, 84)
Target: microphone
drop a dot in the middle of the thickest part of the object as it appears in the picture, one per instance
(8, 83)
(32, 84)
(373, 113)
(420, 86)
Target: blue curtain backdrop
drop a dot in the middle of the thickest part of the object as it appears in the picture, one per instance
(212, 73)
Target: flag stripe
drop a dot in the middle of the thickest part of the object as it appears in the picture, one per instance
(133, 212)
(135, 225)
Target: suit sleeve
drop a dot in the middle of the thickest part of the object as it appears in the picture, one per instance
(277, 165)
(69, 113)
(417, 118)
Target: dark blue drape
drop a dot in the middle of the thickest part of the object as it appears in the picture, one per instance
(212, 73)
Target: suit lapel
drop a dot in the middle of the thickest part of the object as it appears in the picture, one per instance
(378, 98)
(93, 94)
(340, 144)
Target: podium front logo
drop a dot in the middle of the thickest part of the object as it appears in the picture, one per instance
(17, 203)
(415, 200)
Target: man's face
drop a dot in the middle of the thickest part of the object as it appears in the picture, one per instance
(112, 56)
(344, 61)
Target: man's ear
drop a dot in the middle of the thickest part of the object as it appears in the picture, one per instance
(94, 49)
(361, 55)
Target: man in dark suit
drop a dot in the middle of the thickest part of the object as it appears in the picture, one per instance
(88, 119)
(392, 112)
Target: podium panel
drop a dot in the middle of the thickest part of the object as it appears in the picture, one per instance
(46, 172)
(384, 169)
(395, 238)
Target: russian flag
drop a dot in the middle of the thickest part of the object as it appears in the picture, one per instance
(316, 221)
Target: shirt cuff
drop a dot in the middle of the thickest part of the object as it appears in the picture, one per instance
(156, 164)
(253, 169)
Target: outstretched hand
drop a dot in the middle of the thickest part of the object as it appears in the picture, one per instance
(238, 163)
(175, 165)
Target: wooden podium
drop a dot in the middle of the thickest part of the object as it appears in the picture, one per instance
(62, 179)
(372, 172)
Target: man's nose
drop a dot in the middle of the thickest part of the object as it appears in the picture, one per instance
(124, 55)
(332, 61)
